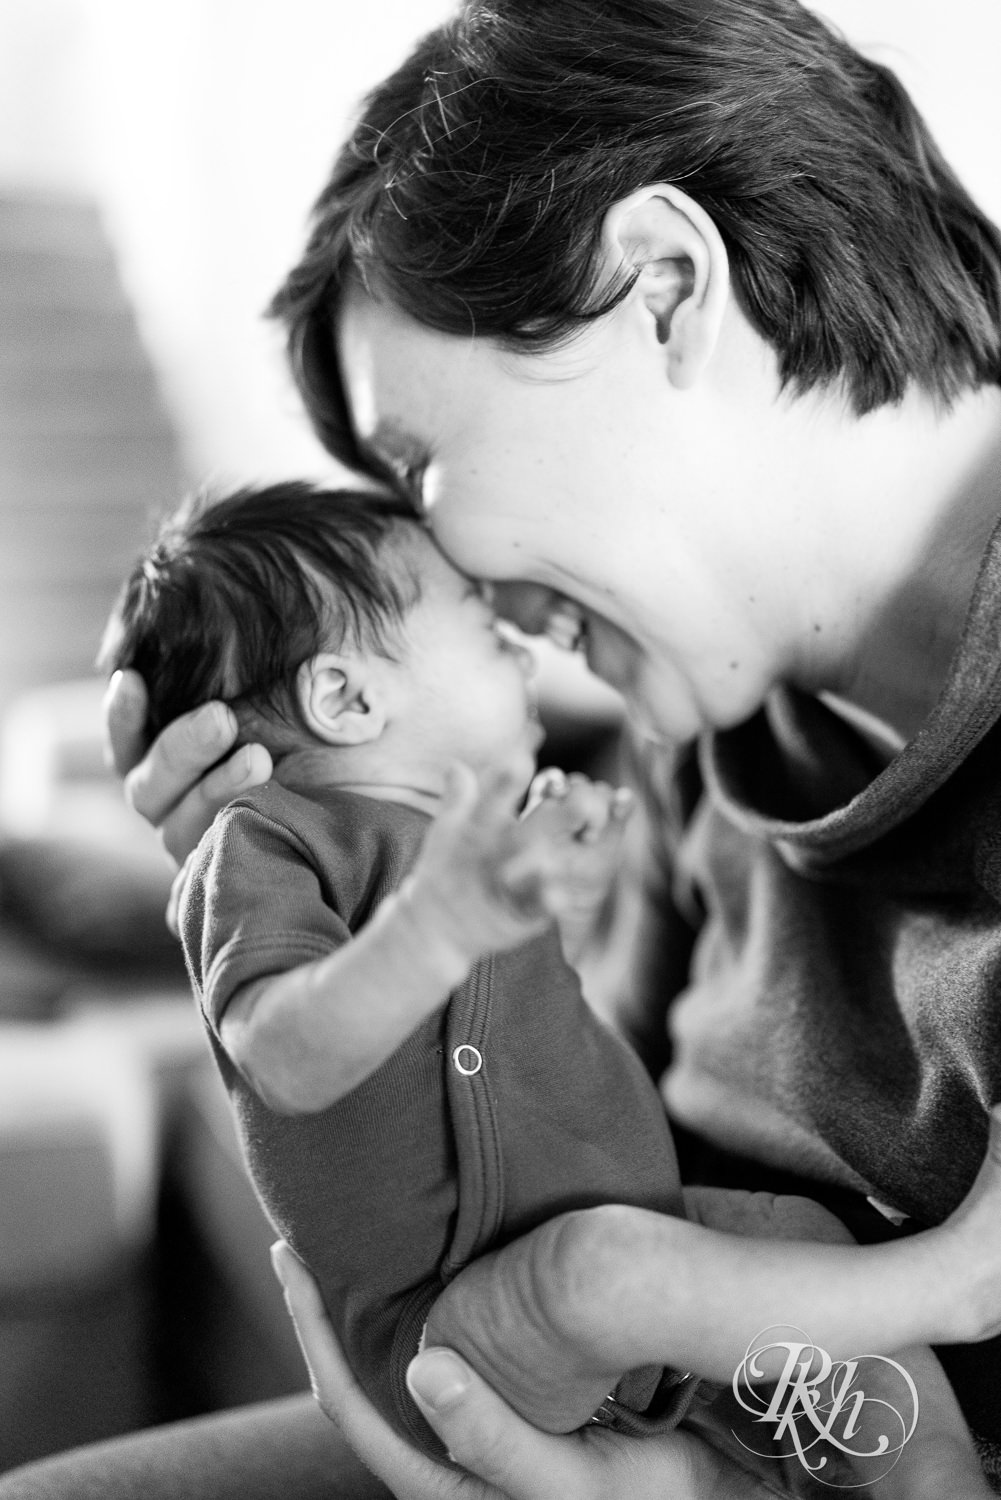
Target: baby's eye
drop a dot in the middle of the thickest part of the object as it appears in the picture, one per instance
(413, 484)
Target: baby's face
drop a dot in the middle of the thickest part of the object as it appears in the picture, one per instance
(465, 686)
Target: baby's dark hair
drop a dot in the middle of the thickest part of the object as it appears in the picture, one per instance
(234, 596)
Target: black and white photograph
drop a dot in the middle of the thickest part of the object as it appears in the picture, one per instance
(500, 750)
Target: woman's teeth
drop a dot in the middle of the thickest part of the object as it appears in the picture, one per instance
(566, 626)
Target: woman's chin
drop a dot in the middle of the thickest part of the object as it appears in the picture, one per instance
(668, 727)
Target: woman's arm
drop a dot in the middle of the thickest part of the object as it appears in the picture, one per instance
(555, 1318)
(506, 1458)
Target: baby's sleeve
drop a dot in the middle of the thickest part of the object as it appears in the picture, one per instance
(252, 904)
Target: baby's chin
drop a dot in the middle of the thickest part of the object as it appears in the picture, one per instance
(517, 756)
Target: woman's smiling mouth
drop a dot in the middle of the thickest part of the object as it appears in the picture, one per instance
(566, 625)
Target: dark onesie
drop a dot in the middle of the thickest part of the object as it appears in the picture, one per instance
(508, 1105)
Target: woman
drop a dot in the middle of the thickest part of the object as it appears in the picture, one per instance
(694, 332)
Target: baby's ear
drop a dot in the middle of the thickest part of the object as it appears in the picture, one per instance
(339, 701)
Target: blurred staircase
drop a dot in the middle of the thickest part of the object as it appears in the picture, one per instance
(87, 454)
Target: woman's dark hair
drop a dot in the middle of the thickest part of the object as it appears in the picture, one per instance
(473, 187)
(237, 592)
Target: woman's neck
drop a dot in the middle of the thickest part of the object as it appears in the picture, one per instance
(921, 495)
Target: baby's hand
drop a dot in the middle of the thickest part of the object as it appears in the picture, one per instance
(590, 818)
(487, 880)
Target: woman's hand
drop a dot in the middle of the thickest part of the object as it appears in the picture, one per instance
(182, 780)
(512, 1459)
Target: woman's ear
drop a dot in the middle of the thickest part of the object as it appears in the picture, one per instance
(682, 272)
(339, 701)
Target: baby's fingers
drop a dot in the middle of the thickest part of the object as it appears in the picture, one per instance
(484, 803)
(548, 784)
(623, 802)
(489, 795)
(459, 792)
(592, 807)
(531, 883)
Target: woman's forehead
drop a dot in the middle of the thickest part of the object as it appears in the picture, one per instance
(408, 385)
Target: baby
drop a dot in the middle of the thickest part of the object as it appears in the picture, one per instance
(380, 939)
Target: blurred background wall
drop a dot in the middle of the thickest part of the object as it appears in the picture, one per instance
(203, 128)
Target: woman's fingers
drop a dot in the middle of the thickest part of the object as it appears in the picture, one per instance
(327, 1367)
(125, 721)
(483, 1434)
(517, 1460)
(182, 827)
(170, 783)
(513, 1459)
(179, 757)
(405, 1471)
(459, 792)
(171, 786)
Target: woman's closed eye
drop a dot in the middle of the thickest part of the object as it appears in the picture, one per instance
(411, 478)
(406, 475)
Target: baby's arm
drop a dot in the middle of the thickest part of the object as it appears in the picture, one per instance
(485, 881)
(555, 1319)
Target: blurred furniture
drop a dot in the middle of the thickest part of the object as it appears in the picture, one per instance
(134, 1278)
(77, 1202)
(127, 1227)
